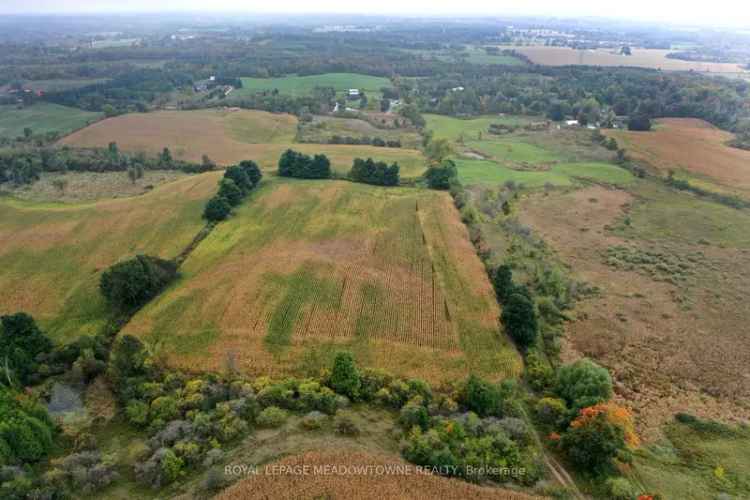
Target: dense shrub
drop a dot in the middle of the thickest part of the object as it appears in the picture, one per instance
(640, 123)
(345, 376)
(551, 412)
(295, 164)
(371, 172)
(21, 342)
(272, 417)
(481, 397)
(502, 282)
(252, 171)
(26, 431)
(440, 177)
(239, 176)
(413, 414)
(583, 383)
(538, 373)
(519, 319)
(592, 445)
(230, 191)
(132, 283)
(217, 209)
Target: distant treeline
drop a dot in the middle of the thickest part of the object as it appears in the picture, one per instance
(591, 94)
(366, 141)
(132, 91)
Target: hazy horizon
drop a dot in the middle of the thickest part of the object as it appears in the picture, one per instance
(718, 13)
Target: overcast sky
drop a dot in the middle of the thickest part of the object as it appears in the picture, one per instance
(733, 12)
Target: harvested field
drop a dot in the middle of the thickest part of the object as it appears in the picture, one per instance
(277, 480)
(228, 137)
(693, 146)
(90, 186)
(52, 254)
(669, 313)
(306, 266)
(644, 58)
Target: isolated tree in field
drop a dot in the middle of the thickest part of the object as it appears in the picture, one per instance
(519, 318)
(27, 133)
(165, 158)
(502, 280)
(229, 190)
(345, 378)
(207, 163)
(583, 383)
(217, 209)
(132, 283)
(21, 341)
(640, 123)
(437, 151)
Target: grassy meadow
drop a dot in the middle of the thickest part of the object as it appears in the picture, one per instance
(53, 253)
(304, 85)
(449, 127)
(228, 137)
(42, 118)
(305, 266)
(473, 172)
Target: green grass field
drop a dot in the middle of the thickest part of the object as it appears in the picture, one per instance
(662, 213)
(483, 172)
(695, 464)
(304, 85)
(448, 127)
(42, 118)
(306, 266)
(513, 151)
(53, 254)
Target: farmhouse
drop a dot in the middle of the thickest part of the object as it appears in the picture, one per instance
(571, 123)
(353, 93)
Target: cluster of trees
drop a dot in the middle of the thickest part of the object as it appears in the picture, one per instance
(295, 164)
(237, 182)
(369, 141)
(441, 176)
(519, 315)
(130, 284)
(370, 171)
(24, 165)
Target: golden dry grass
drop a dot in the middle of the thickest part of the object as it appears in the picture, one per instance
(228, 137)
(278, 480)
(691, 145)
(644, 58)
(305, 267)
(672, 345)
(52, 254)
